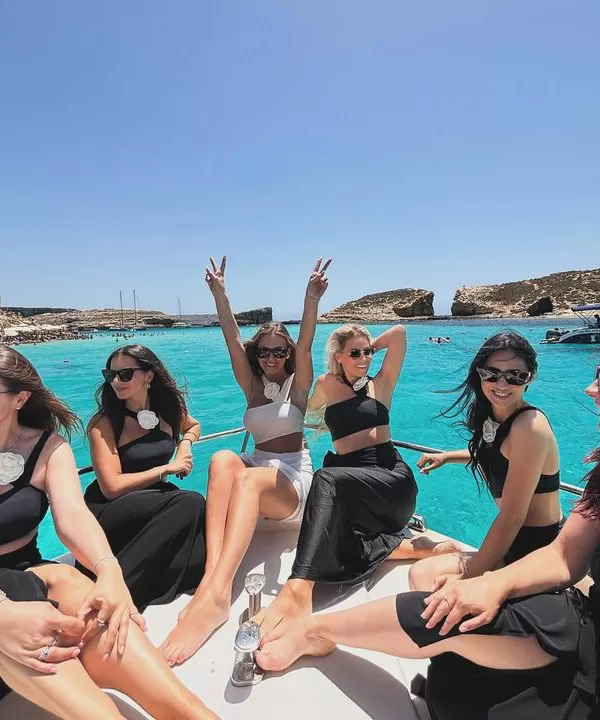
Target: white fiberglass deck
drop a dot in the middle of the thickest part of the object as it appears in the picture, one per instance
(352, 684)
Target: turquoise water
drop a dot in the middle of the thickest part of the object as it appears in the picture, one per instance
(448, 498)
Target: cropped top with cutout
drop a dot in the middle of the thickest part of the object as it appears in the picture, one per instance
(275, 419)
(359, 412)
(495, 465)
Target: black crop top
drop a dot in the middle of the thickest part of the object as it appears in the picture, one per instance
(153, 449)
(360, 412)
(23, 507)
(495, 466)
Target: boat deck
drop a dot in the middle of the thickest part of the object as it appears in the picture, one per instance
(353, 684)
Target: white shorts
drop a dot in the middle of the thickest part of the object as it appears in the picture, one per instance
(297, 467)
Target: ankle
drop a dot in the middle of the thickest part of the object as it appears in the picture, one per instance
(301, 589)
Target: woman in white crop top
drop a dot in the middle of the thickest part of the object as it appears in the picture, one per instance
(270, 484)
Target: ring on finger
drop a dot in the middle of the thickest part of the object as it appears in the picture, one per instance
(100, 623)
(447, 602)
(44, 653)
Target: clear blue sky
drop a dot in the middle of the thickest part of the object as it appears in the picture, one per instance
(421, 144)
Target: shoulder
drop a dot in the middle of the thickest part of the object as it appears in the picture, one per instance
(532, 423)
(100, 426)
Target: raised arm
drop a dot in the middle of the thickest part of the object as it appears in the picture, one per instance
(317, 285)
(318, 397)
(394, 342)
(107, 465)
(215, 280)
(530, 439)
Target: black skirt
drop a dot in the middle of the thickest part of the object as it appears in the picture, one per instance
(357, 509)
(563, 624)
(21, 586)
(157, 534)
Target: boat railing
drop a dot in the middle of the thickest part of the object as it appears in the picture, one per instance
(567, 487)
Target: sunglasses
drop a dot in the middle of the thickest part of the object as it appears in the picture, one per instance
(597, 375)
(124, 374)
(512, 377)
(277, 352)
(356, 353)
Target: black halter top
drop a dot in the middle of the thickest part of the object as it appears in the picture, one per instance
(360, 412)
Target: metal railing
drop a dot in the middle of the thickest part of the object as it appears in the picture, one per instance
(567, 487)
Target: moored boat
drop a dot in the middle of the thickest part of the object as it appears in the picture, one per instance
(587, 334)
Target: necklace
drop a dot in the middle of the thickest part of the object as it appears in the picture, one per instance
(11, 464)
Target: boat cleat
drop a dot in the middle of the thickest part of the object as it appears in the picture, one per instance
(253, 585)
(247, 641)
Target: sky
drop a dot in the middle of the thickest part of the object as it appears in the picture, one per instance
(428, 144)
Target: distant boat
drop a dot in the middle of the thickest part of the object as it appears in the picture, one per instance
(181, 322)
(587, 334)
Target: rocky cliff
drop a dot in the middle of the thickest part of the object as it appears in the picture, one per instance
(554, 293)
(102, 319)
(255, 317)
(14, 330)
(384, 306)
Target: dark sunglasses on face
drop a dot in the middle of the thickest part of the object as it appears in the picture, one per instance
(356, 353)
(277, 352)
(124, 374)
(512, 377)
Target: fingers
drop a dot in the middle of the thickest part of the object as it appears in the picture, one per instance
(122, 633)
(473, 623)
(317, 266)
(214, 264)
(326, 265)
(59, 654)
(138, 619)
(114, 623)
(223, 264)
(453, 618)
(70, 628)
(38, 665)
(439, 582)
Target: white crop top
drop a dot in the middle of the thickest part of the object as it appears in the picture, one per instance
(275, 419)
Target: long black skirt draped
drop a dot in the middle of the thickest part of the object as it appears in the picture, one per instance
(357, 509)
(157, 535)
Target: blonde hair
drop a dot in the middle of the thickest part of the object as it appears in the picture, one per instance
(334, 345)
(336, 342)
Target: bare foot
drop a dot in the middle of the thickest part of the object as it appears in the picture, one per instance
(201, 591)
(294, 600)
(203, 617)
(285, 645)
(422, 547)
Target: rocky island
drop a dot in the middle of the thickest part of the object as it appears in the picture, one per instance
(15, 329)
(384, 306)
(554, 294)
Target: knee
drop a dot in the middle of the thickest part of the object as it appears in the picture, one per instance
(190, 504)
(244, 481)
(223, 461)
(421, 576)
(61, 574)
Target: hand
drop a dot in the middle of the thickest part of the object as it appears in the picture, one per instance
(108, 607)
(185, 459)
(181, 465)
(318, 281)
(480, 597)
(215, 279)
(28, 628)
(431, 461)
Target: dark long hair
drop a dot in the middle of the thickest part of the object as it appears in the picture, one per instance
(43, 409)
(270, 328)
(166, 399)
(589, 504)
(472, 404)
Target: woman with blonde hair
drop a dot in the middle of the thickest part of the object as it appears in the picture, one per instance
(272, 482)
(362, 499)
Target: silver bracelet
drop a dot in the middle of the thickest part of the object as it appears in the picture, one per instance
(102, 559)
(312, 297)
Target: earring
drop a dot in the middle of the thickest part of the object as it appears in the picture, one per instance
(147, 386)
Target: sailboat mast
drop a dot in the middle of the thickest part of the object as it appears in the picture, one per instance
(122, 313)
(179, 303)
(134, 312)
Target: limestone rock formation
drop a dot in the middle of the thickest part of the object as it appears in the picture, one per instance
(14, 330)
(384, 306)
(103, 319)
(551, 293)
(255, 317)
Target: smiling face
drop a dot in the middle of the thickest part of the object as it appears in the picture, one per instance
(355, 363)
(10, 402)
(502, 395)
(137, 386)
(276, 350)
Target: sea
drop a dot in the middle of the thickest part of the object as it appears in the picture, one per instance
(449, 498)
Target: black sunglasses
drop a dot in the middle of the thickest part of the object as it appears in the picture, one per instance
(512, 377)
(264, 352)
(597, 375)
(124, 374)
(356, 353)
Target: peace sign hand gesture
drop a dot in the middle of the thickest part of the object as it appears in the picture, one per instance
(215, 279)
(318, 281)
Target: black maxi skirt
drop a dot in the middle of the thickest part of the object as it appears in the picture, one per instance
(357, 509)
(157, 534)
(21, 586)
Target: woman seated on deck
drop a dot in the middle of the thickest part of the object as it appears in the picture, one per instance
(513, 445)
(362, 499)
(527, 649)
(154, 528)
(63, 637)
(273, 481)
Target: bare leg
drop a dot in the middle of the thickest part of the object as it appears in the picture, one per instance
(421, 547)
(255, 491)
(375, 626)
(70, 694)
(222, 469)
(140, 673)
(423, 574)
(293, 600)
